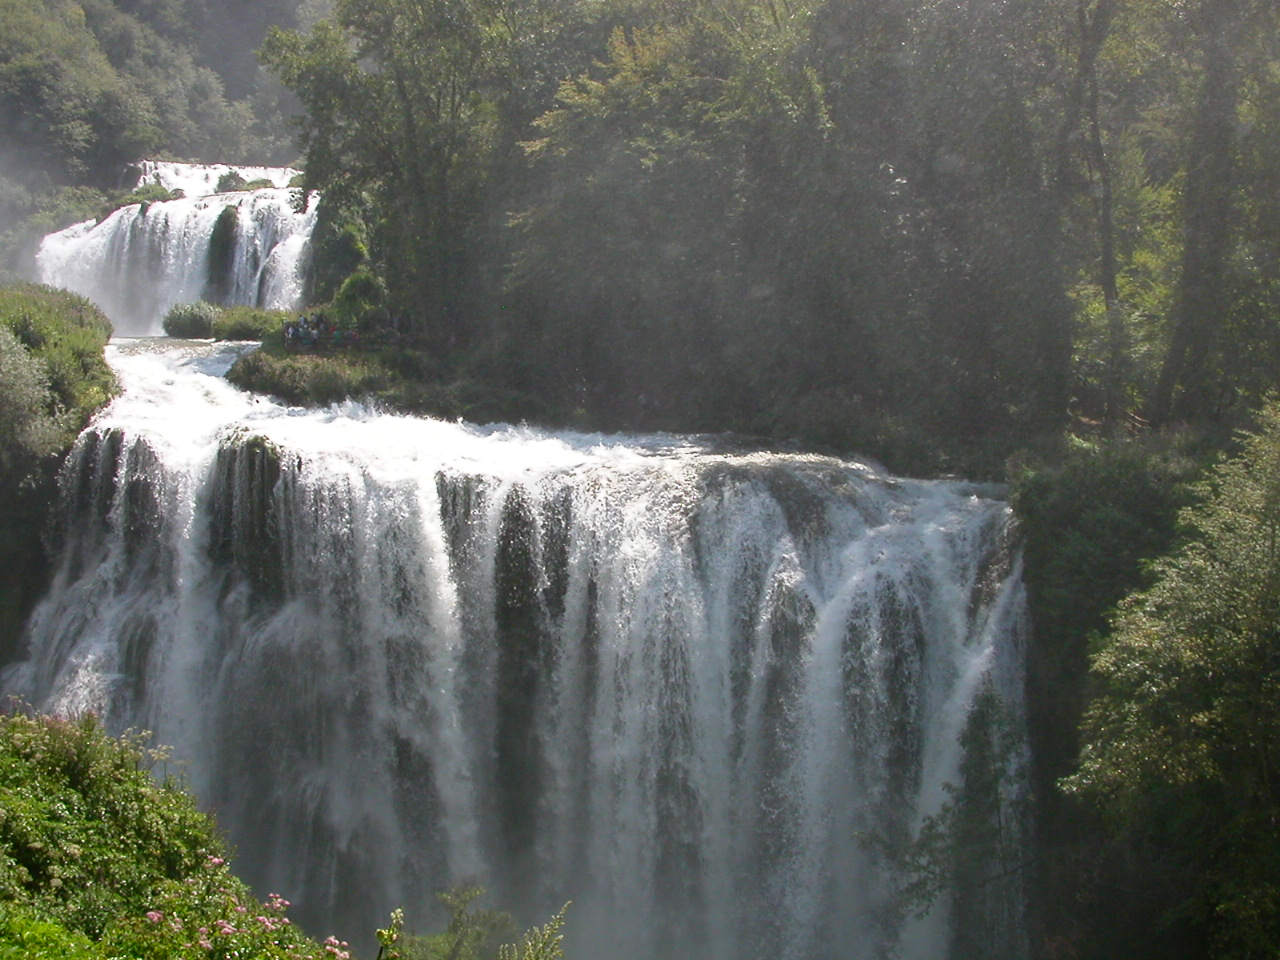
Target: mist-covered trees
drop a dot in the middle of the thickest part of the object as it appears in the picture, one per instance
(904, 227)
(89, 86)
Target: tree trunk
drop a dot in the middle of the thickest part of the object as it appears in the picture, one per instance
(1183, 387)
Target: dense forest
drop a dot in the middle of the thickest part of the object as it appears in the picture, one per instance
(927, 230)
(87, 88)
(1035, 240)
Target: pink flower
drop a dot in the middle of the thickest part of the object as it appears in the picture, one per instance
(155, 916)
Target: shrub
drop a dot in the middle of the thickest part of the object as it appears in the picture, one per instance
(66, 333)
(53, 376)
(308, 378)
(230, 182)
(192, 320)
(93, 848)
(222, 248)
(24, 937)
(249, 323)
(1181, 737)
(360, 293)
(146, 195)
(29, 428)
(98, 859)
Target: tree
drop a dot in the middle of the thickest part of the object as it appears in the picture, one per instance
(1182, 740)
(403, 123)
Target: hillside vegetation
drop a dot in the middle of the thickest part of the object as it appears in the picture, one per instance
(53, 377)
(100, 859)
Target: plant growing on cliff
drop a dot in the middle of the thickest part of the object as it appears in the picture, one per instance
(1182, 740)
(29, 429)
(99, 859)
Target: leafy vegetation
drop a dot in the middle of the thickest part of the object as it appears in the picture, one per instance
(99, 859)
(926, 231)
(192, 320)
(1181, 739)
(248, 323)
(89, 86)
(53, 377)
(203, 320)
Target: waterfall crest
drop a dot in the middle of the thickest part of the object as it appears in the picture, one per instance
(709, 696)
(242, 248)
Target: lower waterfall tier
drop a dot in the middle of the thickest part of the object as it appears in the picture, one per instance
(713, 698)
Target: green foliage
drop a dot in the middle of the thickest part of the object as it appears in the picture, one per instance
(29, 429)
(94, 849)
(67, 334)
(24, 937)
(53, 377)
(358, 295)
(233, 182)
(222, 246)
(471, 934)
(309, 378)
(249, 323)
(973, 851)
(1182, 734)
(230, 181)
(539, 943)
(193, 320)
(201, 320)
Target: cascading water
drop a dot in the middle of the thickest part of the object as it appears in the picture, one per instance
(243, 248)
(711, 697)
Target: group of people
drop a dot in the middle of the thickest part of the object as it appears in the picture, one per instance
(311, 331)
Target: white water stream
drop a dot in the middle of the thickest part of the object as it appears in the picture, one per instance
(142, 259)
(707, 695)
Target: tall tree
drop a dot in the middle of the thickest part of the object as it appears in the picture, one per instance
(1186, 386)
(1182, 740)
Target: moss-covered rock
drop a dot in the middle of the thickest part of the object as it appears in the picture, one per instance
(221, 258)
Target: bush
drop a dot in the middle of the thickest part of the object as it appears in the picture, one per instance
(359, 293)
(146, 195)
(53, 377)
(24, 937)
(1181, 737)
(93, 848)
(233, 182)
(309, 378)
(222, 248)
(191, 320)
(100, 860)
(30, 427)
(230, 181)
(249, 323)
(67, 334)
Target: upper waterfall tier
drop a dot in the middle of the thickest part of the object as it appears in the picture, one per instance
(243, 248)
(709, 696)
(201, 179)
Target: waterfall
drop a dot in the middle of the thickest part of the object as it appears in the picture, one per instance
(710, 695)
(241, 248)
